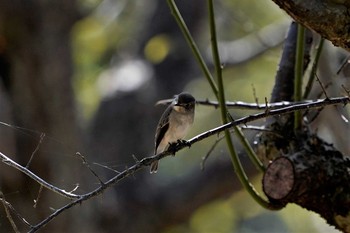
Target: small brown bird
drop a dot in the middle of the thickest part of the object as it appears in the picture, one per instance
(174, 124)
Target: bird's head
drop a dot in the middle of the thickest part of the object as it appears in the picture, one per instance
(184, 102)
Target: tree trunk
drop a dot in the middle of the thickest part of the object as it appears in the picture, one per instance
(37, 72)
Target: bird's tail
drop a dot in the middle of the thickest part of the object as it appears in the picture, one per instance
(154, 167)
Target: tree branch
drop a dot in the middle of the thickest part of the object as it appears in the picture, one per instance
(245, 105)
(6, 160)
(145, 162)
(331, 19)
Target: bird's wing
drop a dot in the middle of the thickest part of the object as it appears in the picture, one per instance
(162, 127)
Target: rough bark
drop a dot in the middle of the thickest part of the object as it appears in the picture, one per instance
(303, 168)
(329, 18)
(283, 89)
(315, 177)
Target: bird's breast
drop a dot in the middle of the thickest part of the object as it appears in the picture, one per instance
(179, 125)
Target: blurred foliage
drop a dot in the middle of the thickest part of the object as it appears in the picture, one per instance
(157, 48)
(105, 38)
(239, 213)
(238, 18)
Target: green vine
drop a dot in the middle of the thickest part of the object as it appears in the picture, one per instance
(220, 95)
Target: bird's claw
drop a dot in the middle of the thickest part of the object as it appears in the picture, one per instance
(172, 148)
(173, 145)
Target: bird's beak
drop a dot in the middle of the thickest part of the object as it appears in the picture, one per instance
(176, 103)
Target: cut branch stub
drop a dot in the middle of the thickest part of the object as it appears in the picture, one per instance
(278, 179)
(315, 177)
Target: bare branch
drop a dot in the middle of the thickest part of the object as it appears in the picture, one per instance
(346, 90)
(254, 95)
(204, 158)
(36, 201)
(273, 112)
(322, 86)
(242, 105)
(8, 206)
(343, 64)
(253, 106)
(42, 135)
(86, 163)
(107, 167)
(8, 214)
(6, 160)
(145, 162)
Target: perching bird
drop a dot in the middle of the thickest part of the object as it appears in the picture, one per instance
(174, 124)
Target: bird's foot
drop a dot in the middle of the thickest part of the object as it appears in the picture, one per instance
(172, 148)
(173, 145)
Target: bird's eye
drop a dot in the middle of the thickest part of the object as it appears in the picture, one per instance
(188, 105)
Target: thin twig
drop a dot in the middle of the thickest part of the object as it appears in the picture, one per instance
(10, 207)
(6, 160)
(321, 84)
(314, 117)
(267, 109)
(8, 214)
(42, 135)
(38, 197)
(254, 94)
(220, 137)
(346, 89)
(204, 158)
(343, 64)
(75, 188)
(86, 163)
(261, 129)
(107, 167)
